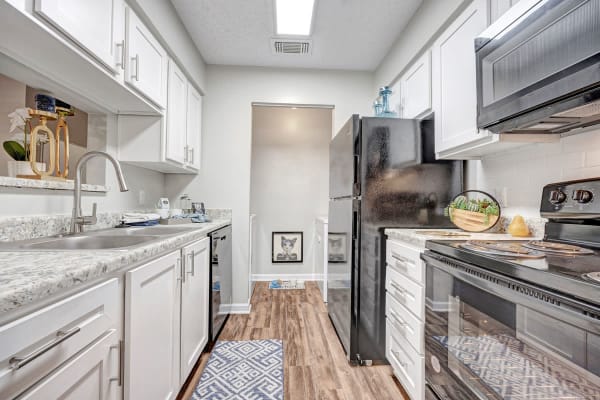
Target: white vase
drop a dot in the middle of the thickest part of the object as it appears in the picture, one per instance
(23, 168)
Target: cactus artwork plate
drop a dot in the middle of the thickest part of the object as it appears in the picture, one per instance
(474, 211)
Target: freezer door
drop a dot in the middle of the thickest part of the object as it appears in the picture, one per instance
(344, 161)
(344, 220)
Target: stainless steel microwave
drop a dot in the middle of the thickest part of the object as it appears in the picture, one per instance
(538, 68)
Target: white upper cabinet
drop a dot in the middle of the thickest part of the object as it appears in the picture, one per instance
(415, 88)
(176, 140)
(194, 127)
(499, 7)
(147, 61)
(194, 304)
(97, 26)
(454, 80)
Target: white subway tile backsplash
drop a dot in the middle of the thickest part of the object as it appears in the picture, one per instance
(592, 158)
(524, 171)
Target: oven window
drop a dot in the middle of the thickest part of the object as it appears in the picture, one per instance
(481, 346)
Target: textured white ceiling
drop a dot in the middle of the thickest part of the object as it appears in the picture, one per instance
(347, 34)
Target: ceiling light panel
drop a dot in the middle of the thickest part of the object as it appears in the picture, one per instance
(294, 17)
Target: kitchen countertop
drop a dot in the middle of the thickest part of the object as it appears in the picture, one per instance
(416, 239)
(28, 276)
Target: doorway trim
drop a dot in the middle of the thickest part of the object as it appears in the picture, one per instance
(290, 105)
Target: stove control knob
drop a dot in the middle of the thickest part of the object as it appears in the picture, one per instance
(582, 196)
(557, 196)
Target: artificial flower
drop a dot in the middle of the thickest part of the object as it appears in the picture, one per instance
(18, 118)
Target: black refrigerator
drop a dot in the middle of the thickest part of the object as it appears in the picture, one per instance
(383, 174)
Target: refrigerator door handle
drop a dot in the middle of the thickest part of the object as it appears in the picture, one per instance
(356, 174)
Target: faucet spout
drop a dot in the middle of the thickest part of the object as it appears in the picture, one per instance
(78, 220)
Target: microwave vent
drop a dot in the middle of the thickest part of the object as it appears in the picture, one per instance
(584, 111)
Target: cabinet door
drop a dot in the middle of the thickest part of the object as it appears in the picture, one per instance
(194, 304)
(194, 127)
(176, 146)
(92, 374)
(454, 81)
(499, 7)
(152, 306)
(416, 88)
(94, 25)
(147, 63)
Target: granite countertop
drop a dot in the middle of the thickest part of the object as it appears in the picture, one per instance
(27, 276)
(418, 239)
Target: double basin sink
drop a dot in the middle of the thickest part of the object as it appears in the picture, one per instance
(105, 239)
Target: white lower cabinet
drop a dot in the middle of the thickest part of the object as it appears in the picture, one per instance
(166, 321)
(405, 316)
(91, 375)
(194, 304)
(59, 336)
(137, 337)
(152, 307)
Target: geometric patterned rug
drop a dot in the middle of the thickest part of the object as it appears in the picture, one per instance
(243, 370)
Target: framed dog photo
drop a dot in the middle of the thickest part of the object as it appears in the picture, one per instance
(337, 247)
(287, 247)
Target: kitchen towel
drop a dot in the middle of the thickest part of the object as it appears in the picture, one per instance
(244, 370)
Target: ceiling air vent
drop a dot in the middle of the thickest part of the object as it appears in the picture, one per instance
(291, 46)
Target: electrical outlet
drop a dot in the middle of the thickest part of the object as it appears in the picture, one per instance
(501, 194)
(142, 197)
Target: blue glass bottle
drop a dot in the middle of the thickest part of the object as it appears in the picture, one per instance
(385, 92)
(377, 108)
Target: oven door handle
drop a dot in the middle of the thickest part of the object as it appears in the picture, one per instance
(566, 309)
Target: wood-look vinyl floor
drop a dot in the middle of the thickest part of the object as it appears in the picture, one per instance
(315, 367)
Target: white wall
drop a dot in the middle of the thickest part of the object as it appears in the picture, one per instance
(224, 181)
(289, 180)
(523, 172)
(19, 201)
(418, 35)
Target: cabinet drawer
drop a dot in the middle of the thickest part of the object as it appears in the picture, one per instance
(53, 334)
(405, 324)
(91, 374)
(408, 366)
(406, 292)
(406, 260)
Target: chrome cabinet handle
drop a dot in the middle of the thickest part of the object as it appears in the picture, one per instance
(192, 257)
(181, 269)
(186, 153)
(121, 46)
(401, 261)
(137, 67)
(17, 362)
(396, 354)
(121, 349)
(398, 289)
(398, 320)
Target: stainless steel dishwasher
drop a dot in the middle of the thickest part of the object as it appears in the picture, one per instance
(220, 279)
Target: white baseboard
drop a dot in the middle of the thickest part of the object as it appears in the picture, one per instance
(301, 277)
(240, 308)
(437, 306)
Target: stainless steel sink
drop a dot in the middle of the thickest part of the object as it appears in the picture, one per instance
(143, 231)
(106, 239)
(84, 242)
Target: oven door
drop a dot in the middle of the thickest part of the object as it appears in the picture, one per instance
(491, 337)
(541, 58)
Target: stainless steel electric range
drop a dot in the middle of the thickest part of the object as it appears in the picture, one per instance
(519, 320)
